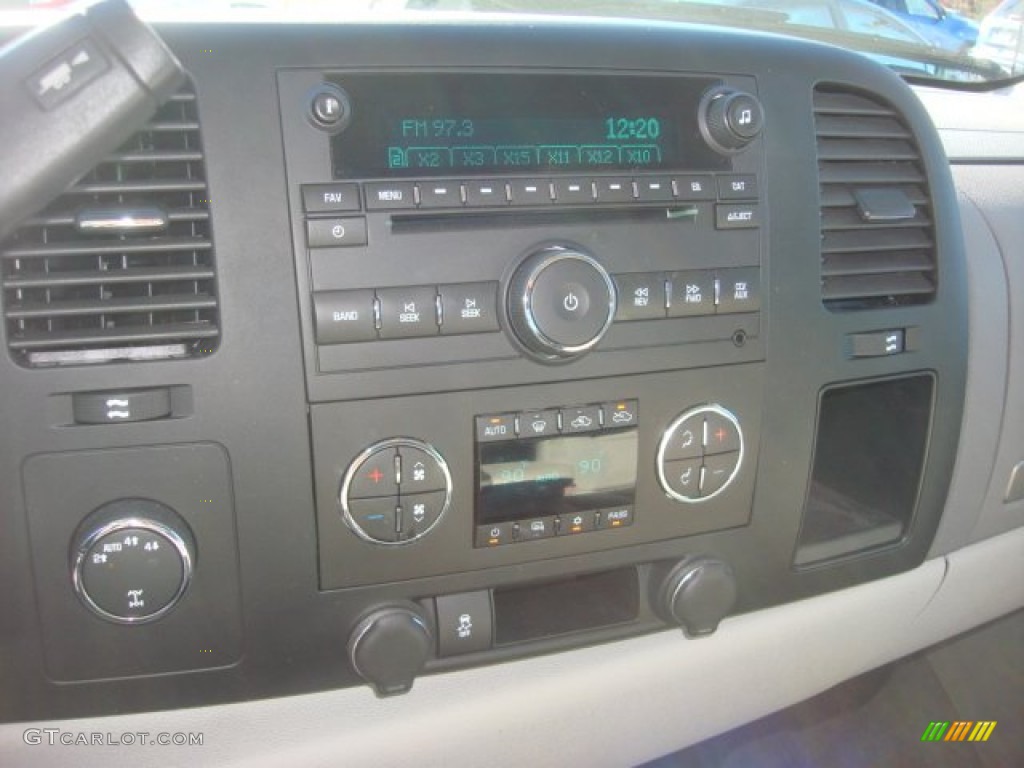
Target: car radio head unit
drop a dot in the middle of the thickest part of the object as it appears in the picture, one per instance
(473, 123)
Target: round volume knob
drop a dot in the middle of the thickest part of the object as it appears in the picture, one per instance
(132, 561)
(730, 120)
(389, 647)
(696, 593)
(560, 303)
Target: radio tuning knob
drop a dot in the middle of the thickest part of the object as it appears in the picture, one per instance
(730, 120)
(695, 593)
(560, 303)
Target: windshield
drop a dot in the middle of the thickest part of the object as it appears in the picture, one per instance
(978, 42)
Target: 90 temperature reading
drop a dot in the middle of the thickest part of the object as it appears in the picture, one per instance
(619, 128)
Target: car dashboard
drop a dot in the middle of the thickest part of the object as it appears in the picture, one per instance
(548, 391)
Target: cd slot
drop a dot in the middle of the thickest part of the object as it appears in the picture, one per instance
(415, 224)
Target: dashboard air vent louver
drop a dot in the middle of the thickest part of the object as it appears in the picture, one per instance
(121, 266)
(877, 238)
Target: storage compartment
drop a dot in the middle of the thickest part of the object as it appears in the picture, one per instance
(565, 606)
(868, 458)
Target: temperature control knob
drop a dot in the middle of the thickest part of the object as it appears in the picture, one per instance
(560, 303)
(730, 120)
(389, 647)
(132, 561)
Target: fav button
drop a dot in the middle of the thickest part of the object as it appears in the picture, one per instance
(324, 198)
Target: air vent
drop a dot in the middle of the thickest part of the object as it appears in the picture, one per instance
(877, 239)
(121, 266)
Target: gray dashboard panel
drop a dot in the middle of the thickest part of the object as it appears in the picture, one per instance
(251, 398)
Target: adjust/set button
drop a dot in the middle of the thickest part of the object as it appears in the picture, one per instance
(344, 316)
(407, 312)
(737, 216)
(336, 233)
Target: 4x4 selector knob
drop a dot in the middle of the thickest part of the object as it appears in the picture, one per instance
(730, 119)
(561, 301)
(132, 560)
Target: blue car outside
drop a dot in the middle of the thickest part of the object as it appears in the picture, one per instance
(943, 28)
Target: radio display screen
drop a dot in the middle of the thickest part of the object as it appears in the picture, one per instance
(540, 477)
(443, 124)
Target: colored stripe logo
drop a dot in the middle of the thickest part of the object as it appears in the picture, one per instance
(959, 730)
